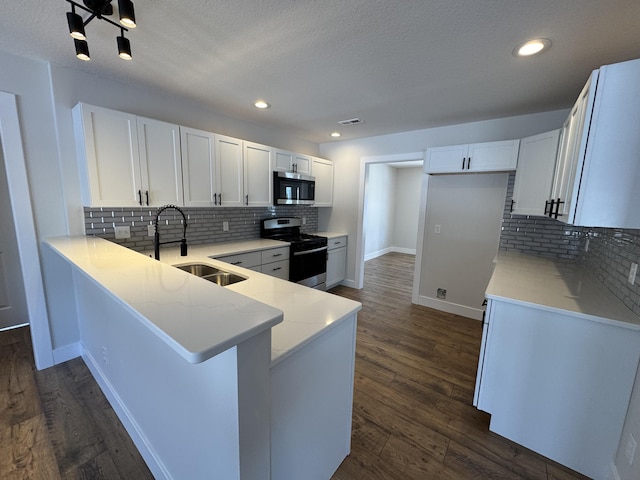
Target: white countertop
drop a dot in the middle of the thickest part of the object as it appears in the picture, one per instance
(307, 312)
(211, 318)
(557, 285)
(331, 235)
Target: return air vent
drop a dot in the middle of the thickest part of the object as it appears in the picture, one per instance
(351, 121)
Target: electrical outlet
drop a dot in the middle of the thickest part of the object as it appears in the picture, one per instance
(586, 245)
(123, 232)
(437, 229)
(632, 273)
(441, 293)
(104, 355)
(630, 449)
(225, 226)
(151, 230)
(304, 220)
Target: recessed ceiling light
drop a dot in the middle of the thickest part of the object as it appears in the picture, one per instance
(261, 104)
(532, 47)
(336, 134)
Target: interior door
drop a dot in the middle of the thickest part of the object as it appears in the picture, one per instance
(13, 305)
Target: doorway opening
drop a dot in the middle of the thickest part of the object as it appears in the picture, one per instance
(390, 200)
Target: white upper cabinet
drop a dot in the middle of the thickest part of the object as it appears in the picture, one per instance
(598, 168)
(200, 175)
(477, 157)
(229, 156)
(534, 175)
(127, 161)
(285, 161)
(322, 170)
(108, 159)
(160, 162)
(258, 168)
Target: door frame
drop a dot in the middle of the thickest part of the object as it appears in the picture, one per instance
(364, 165)
(22, 212)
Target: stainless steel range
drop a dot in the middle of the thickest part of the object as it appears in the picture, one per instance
(308, 255)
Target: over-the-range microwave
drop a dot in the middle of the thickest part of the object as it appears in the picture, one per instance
(293, 189)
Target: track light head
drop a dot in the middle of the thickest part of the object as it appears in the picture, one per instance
(76, 25)
(127, 13)
(82, 49)
(124, 47)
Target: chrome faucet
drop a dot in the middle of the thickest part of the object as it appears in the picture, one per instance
(156, 238)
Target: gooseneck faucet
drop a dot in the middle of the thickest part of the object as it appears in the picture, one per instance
(156, 238)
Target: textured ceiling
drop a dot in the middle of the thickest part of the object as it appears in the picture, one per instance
(398, 65)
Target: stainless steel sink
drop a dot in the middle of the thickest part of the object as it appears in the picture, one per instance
(212, 274)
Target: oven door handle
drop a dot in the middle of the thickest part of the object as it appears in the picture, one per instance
(307, 252)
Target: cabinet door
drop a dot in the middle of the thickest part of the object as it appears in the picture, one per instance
(107, 149)
(198, 168)
(493, 156)
(534, 176)
(283, 161)
(450, 159)
(322, 170)
(336, 266)
(160, 162)
(569, 167)
(228, 153)
(258, 183)
(301, 164)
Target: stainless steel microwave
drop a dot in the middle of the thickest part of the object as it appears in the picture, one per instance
(293, 189)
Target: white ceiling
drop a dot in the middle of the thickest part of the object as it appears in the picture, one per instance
(399, 65)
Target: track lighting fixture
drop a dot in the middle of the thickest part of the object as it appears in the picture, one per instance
(101, 9)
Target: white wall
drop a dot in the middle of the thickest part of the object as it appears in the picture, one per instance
(379, 209)
(407, 209)
(630, 433)
(343, 217)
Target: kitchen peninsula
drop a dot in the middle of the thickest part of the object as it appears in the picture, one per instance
(214, 382)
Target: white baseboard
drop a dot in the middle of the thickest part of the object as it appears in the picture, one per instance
(384, 251)
(348, 283)
(449, 307)
(66, 353)
(151, 459)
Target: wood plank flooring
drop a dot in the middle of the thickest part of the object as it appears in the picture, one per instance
(412, 419)
(415, 375)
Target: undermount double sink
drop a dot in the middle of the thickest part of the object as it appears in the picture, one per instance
(212, 274)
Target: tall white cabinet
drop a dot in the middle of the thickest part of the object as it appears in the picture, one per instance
(597, 173)
(201, 175)
(127, 161)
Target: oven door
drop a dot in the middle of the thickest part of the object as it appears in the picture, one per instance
(309, 267)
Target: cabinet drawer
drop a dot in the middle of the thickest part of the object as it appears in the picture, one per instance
(275, 254)
(277, 269)
(337, 242)
(246, 260)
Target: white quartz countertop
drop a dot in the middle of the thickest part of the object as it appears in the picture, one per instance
(331, 235)
(200, 319)
(196, 318)
(557, 285)
(308, 313)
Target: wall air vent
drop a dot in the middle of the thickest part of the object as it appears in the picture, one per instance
(351, 121)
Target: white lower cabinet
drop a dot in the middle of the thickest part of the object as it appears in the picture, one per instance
(273, 261)
(557, 383)
(336, 261)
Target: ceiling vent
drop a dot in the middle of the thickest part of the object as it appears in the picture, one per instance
(351, 121)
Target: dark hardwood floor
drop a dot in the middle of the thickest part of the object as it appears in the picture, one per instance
(412, 418)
